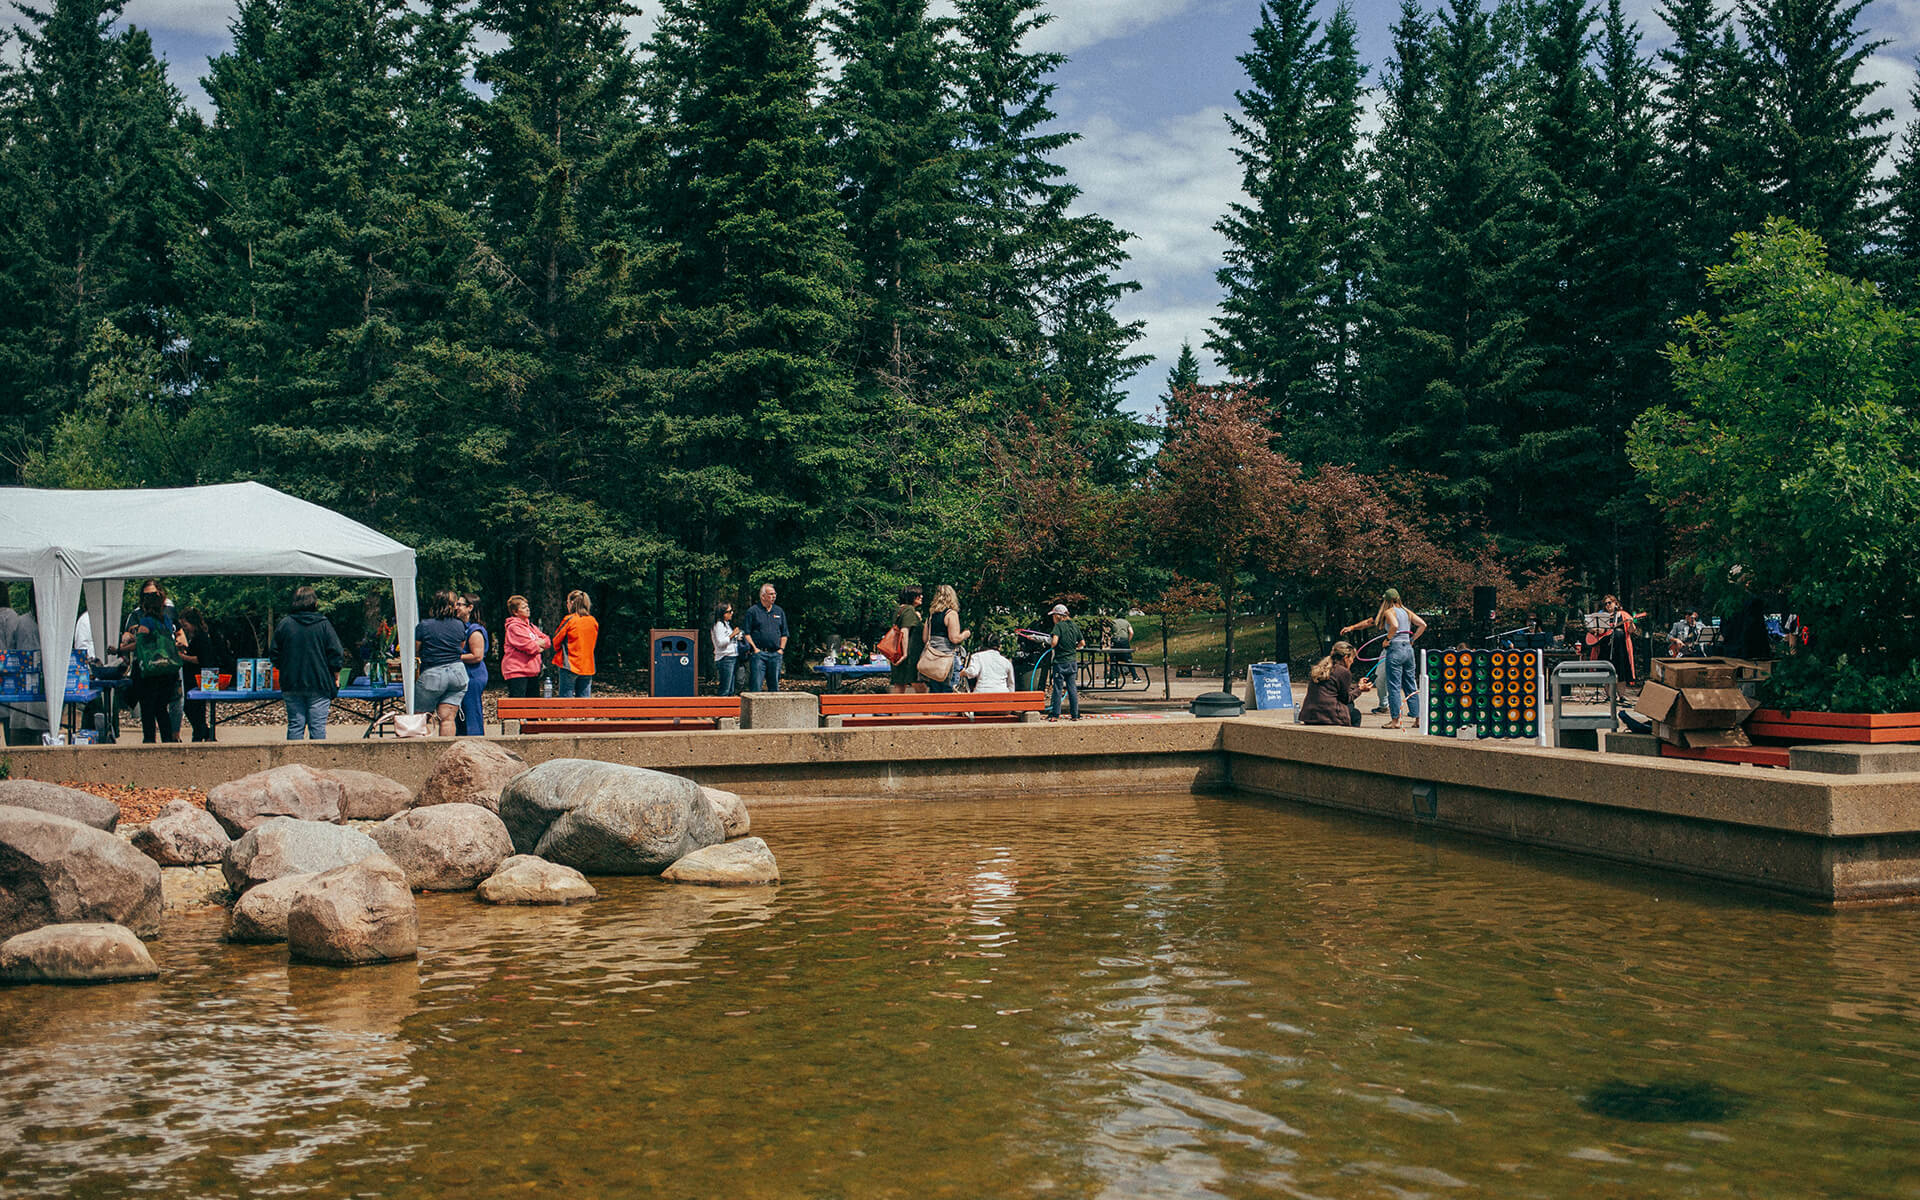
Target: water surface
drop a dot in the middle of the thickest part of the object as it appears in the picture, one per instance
(1180, 996)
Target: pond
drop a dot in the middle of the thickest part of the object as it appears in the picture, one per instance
(1178, 996)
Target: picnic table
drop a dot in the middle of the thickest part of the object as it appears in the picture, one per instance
(854, 671)
(366, 702)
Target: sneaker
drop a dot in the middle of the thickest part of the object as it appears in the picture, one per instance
(1380, 711)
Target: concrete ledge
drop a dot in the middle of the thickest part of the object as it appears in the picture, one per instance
(1855, 760)
(779, 710)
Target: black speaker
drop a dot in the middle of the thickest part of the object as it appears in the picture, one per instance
(1483, 604)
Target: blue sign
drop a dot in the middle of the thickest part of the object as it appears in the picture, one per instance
(1272, 688)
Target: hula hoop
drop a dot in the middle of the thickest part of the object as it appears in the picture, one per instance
(1359, 654)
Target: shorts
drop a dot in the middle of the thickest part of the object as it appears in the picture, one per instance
(444, 684)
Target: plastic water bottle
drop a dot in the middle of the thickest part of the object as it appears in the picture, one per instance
(546, 687)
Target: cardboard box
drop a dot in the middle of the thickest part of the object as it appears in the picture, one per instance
(243, 675)
(1691, 708)
(1695, 672)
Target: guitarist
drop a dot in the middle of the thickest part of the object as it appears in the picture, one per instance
(1610, 634)
(1683, 640)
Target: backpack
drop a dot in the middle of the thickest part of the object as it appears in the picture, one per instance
(155, 653)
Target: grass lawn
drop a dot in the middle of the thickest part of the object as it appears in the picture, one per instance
(1200, 640)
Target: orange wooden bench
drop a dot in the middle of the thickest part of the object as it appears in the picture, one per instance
(1868, 728)
(942, 708)
(1756, 756)
(618, 714)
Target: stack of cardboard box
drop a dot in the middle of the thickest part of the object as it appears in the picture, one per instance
(1700, 702)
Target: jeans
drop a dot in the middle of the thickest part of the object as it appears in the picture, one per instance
(1402, 680)
(473, 712)
(1066, 674)
(765, 676)
(443, 683)
(572, 685)
(155, 696)
(725, 675)
(197, 714)
(307, 714)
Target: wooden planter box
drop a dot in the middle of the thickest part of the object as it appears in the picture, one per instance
(1804, 726)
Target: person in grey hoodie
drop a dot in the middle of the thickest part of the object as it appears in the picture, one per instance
(309, 655)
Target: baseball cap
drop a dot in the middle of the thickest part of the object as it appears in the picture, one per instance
(1058, 610)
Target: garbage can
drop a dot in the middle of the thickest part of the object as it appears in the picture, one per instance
(676, 658)
(1269, 686)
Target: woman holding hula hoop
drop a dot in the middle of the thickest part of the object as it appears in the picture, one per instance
(1401, 627)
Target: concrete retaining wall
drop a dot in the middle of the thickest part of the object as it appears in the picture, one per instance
(1829, 837)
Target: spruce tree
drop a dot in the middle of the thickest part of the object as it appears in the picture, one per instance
(1705, 146)
(1288, 311)
(549, 320)
(1048, 278)
(1818, 148)
(1452, 366)
(759, 438)
(895, 136)
(98, 213)
(1898, 268)
(1182, 378)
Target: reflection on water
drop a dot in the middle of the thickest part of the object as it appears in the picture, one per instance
(1184, 997)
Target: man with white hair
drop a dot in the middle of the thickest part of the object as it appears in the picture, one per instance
(1065, 641)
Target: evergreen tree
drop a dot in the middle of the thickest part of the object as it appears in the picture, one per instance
(1181, 379)
(98, 209)
(314, 307)
(1899, 265)
(895, 136)
(1705, 153)
(1288, 312)
(549, 318)
(758, 430)
(1047, 275)
(1817, 145)
(1452, 367)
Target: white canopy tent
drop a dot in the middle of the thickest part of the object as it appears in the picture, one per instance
(65, 541)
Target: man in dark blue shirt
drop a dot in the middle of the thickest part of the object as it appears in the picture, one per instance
(766, 633)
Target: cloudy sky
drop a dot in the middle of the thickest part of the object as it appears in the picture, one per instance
(1147, 84)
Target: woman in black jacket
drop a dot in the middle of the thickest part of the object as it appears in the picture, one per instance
(309, 655)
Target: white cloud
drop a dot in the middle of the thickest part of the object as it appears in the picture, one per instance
(1166, 183)
(202, 18)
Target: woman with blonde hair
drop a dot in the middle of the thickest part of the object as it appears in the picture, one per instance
(945, 635)
(1331, 690)
(1402, 627)
(573, 645)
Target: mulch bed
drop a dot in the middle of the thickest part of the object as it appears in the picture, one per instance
(139, 805)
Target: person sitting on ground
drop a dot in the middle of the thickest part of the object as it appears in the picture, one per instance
(988, 669)
(1331, 690)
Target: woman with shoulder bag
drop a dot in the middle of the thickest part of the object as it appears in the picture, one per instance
(152, 645)
(940, 663)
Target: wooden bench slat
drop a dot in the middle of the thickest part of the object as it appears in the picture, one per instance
(614, 708)
(940, 702)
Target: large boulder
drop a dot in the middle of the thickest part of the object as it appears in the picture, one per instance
(535, 799)
(183, 836)
(527, 879)
(744, 863)
(284, 846)
(630, 821)
(366, 796)
(353, 915)
(446, 848)
(261, 914)
(732, 810)
(470, 771)
(55, 871)
(71, 803)
(82, 952)
(295, 791)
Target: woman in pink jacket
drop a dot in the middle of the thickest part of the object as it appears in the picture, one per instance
(521, 650)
